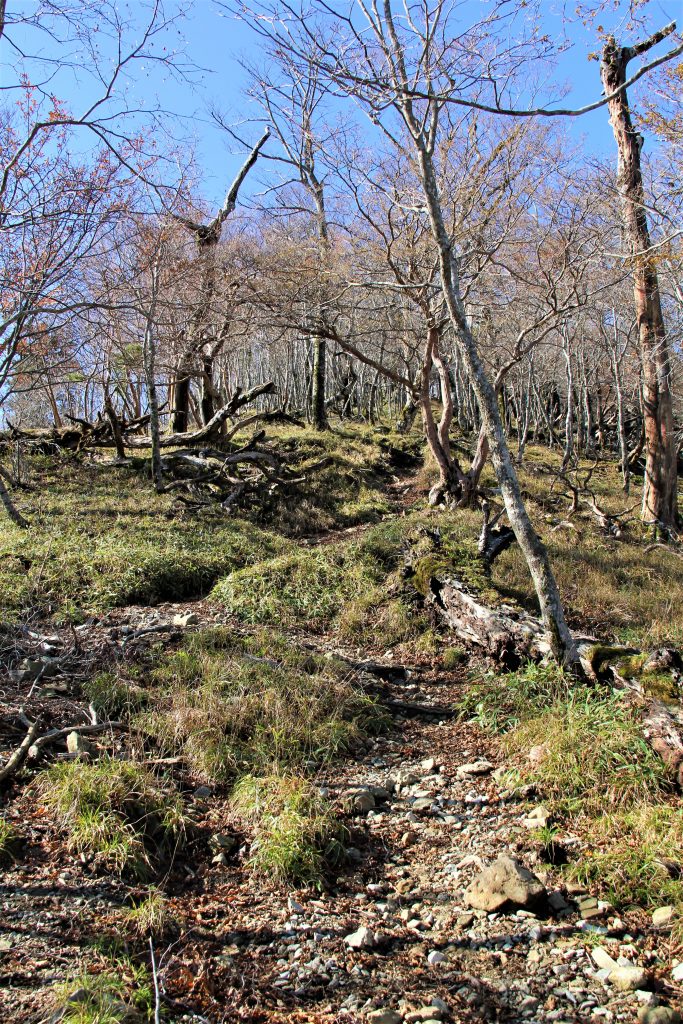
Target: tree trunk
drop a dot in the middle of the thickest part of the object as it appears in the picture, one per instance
(559, 637)
(181, 394)
(318, 409)
(660, 484)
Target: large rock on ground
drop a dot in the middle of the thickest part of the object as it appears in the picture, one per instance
(504, 885)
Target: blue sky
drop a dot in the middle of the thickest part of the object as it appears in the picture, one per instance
(213, 39)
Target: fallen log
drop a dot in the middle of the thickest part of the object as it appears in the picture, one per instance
(510, 636)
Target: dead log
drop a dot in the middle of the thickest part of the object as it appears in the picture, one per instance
(17, 758)
(511, 636)
(663, 733)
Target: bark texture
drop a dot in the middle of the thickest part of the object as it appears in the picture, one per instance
(660, 485)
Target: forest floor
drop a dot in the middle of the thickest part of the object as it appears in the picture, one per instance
(299, 775)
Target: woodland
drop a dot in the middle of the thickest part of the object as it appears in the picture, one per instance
(341, 535)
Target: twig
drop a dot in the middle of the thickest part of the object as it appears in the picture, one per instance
(16, 759)
(155, 977)
(83, 730)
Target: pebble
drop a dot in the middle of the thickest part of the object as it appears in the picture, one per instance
(677, 973)
(435, 957)
(362, 938)
(663, 916)
(628, 978)
(384, 1016)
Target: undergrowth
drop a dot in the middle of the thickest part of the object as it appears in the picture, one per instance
(296, 833)
(121, 991)
(594, 769)
(233, 705)
(114, 811)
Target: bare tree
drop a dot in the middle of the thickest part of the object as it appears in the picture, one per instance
(660, 488)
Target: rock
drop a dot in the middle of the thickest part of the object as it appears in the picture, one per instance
(424, 1015)
(677, 973)
(362, 801)
(628, 978)
(435, 957)
(658, 1015)
(538, 817)
(538, 754)
(589, 907)
(602, 959)
(506, 883)
(475, 768)
(384, 1016)
(429, 765)
(186, 619)
(224, 841)
(362, 938)
(202, 793)
(662, 917)
(77, 744)
(294, 906)
(557, 902)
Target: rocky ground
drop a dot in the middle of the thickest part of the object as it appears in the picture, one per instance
(418, 926)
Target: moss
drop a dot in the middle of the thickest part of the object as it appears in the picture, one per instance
(600, 656)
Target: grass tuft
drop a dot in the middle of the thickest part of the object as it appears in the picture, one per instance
(9, 841)
(151, 915)
(296, 834)
(231, 711)
(114, 811)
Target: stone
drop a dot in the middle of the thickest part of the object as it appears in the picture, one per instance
(475, 768)
(538, 754)
(362, 801)
(602, 959)
(662, 917)
(362, 938)
(294, 906)
(186, 619)
(435, 957)
(589, 908)
(628, 978)
(677, 973)
(538, 817)
(223, 842)
(506, 883)
(658, 1015)
(557, 902)
(428, 765)
(77, 744)
(384, 1016)
(424, 1014)
(202, 793)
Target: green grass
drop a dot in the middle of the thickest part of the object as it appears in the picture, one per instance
(118, 993)
(115, 811)
(9, 841)
(151, 915)
(628, 852)
(100, 537)
(596, 773)
(595, 753)
(296, 834)
(234, 705)
(499, 703)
